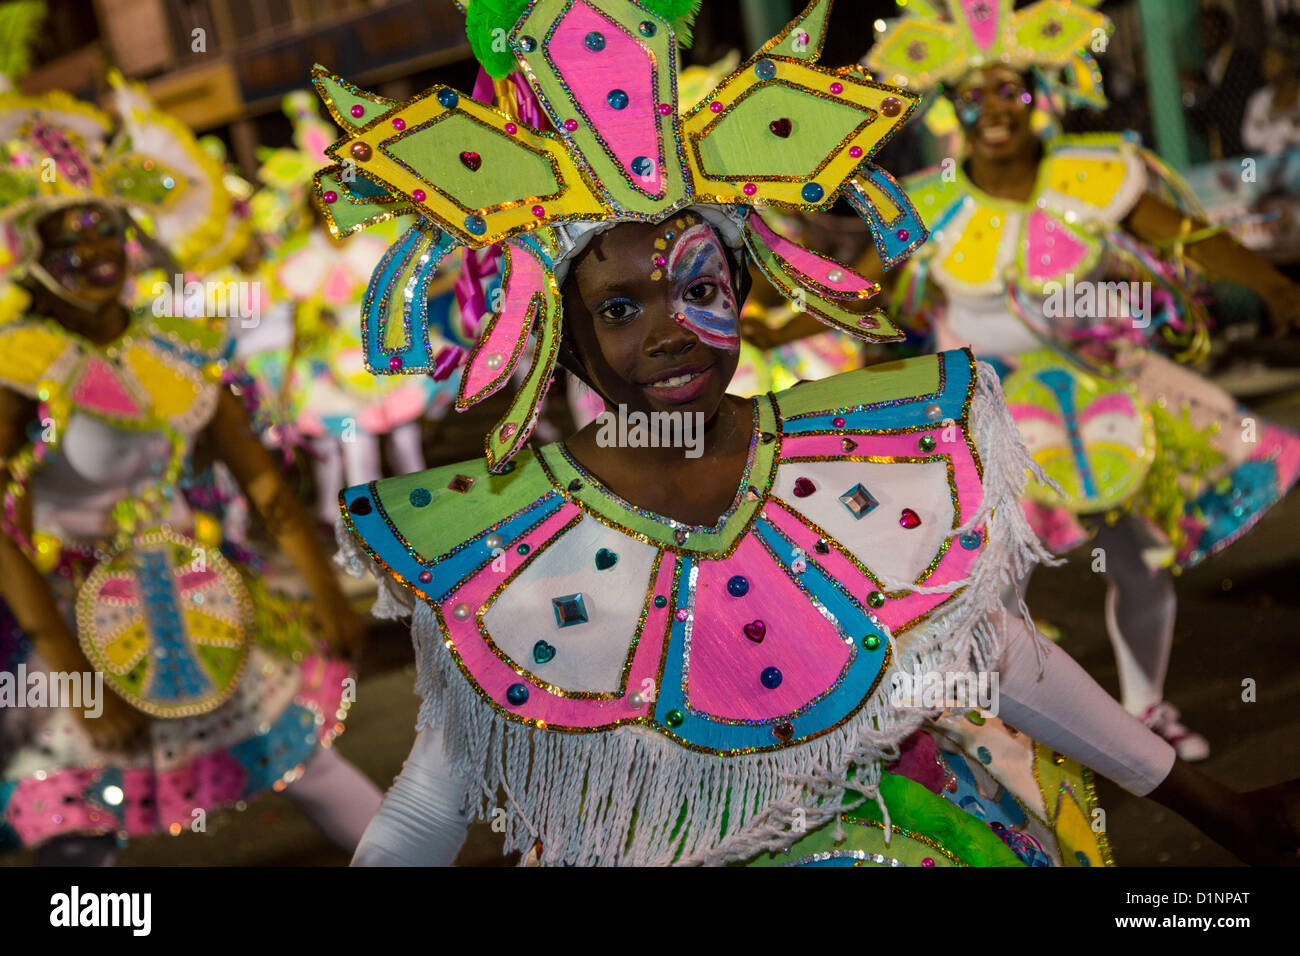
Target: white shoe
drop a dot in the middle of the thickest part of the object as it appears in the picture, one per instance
(1163, 719)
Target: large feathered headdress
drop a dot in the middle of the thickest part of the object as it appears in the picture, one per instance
(779, 131)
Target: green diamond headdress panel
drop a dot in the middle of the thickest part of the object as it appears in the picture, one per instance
(778, 131)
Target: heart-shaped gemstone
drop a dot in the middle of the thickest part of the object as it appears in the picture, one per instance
(909, 519)
(605, 559)
(471, 161)
(781, 127)
(848, 444)
(822, 546)
(783, 730)
(543, 652)
(803, 487)
(756, 631)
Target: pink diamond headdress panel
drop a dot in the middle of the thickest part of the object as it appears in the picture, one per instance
(780, 131)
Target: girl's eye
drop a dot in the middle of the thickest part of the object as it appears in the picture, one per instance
(1008, 92)
(700, 291)
(617, 310)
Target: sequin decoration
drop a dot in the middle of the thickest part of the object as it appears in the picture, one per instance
(420, 497)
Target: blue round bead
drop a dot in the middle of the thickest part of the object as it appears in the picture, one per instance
(476, 225)
(517, 694)
(527, 44)
(812, 192)
(771, 678)
(970, 540)
(448, 98)
(642, 166)
(595, 41)
(617, 99)
(647, 28)
(765, 69)
(420, 497)
(738, 586)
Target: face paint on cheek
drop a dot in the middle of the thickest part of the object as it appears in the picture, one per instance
(697, 257)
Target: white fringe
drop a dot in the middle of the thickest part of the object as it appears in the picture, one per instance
(615, 797)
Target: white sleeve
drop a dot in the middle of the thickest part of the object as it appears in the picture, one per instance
(1067, 710)
(420, 822)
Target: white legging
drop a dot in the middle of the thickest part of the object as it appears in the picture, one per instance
(1140, 611)
(357, 461)
(421, 822)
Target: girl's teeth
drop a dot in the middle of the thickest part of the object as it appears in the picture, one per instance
(676, 381)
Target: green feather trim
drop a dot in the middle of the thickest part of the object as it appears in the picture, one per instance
(484, 19)
(19, 23)
(681, 13)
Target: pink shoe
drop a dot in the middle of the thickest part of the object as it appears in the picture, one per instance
(1163, 719)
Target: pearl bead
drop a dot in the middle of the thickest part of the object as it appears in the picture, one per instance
(750, 189)
(394, 363)
(570, 124)
(493, 361)
(511, 129)
(360, 152)
(855, 151)
(461, 612)
(715, 107)
(493, 541)
(418, 195)
(837, 88)
(399, 124)
(331, 196)
(358, 111)
(636, 699)
(933, 412)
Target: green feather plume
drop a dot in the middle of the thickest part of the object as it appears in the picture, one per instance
(488, 22)
(19, 23)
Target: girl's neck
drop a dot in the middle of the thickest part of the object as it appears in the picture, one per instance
(101, 327)
(1012, 178)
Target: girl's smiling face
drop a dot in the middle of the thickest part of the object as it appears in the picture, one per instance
(995, 107)
(84, 249)
(653, 312)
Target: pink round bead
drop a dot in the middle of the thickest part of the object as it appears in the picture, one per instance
(665, 109)
(426, 577)
(395, 362)
(331, 196)
(682, 614)
(511, 128)
(570, 124)
(417, 195)
(803, 38)
(358, 110)
(902, 235)
(750, 189)
(539, 211)
(837, 88)
(399, 124)
(660, 261)
(928, 861)
(837, 422)
(715, 106)
(855, 151)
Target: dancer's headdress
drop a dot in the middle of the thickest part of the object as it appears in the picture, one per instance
(779, 131)
(940, 41)
(57, 151)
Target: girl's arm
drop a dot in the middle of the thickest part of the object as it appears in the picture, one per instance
(1221, 256)
(420, 822)
(232, 440)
